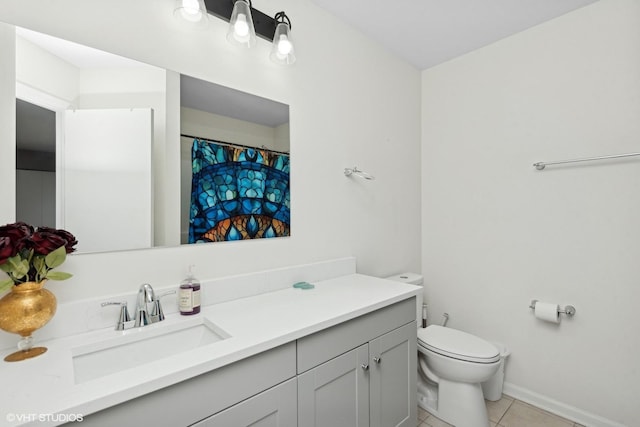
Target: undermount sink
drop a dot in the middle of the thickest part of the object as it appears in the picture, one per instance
(136, 347)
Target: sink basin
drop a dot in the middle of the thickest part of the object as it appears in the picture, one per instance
(140, 346)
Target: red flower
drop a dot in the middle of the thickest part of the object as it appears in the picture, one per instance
(44, 243)
(16, 231)
(32, 248)
(70, 240)
(7, 249)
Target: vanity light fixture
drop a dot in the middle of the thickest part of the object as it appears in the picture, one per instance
(241, 30)
(282, 51)
(192, 11)
(245, 23)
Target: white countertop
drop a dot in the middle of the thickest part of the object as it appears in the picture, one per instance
(35, 390)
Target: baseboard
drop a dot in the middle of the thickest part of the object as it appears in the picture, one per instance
(556, 407)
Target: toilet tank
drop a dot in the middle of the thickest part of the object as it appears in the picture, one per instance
(417, 280)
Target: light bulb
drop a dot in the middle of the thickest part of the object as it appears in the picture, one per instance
(190, 10)
(282, 49)
(284, 45)
(241, 27)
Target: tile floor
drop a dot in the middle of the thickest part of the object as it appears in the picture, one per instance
(506, 412)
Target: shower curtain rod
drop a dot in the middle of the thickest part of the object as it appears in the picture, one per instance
(232, 144)
(541, 165)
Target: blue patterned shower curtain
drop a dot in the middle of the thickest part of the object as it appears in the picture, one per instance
(238, 193)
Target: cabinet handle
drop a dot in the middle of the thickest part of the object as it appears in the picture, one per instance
(377, 359)
(365, 367)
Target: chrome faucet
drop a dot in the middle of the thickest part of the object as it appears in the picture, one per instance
(143, 316)
(145, 296)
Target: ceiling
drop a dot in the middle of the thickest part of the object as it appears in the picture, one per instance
(428, 32)
(197, 94)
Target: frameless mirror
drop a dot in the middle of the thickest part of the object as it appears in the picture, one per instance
(92, 137)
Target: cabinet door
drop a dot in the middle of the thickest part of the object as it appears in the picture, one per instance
(275, 407)
(336, 393)
(393, 378)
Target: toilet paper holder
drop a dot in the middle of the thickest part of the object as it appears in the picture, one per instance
(569, 310)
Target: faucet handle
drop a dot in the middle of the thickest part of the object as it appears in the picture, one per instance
(157, 315)
(124, 313)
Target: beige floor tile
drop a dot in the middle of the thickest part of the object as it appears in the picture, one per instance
(432, 421)
(521, 414)
(423, 425)
(498, 408)
(422, 414)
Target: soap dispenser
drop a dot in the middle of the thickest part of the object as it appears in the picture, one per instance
(189, 296)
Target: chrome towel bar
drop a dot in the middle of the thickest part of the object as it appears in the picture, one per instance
(541, 165)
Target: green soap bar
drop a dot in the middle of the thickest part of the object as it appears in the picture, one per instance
(303, 285)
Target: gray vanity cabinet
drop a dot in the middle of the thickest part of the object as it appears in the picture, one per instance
(275, 407)
(336, 393)
(392, 375)
(373, 384)
(359, 373)
(196, 399)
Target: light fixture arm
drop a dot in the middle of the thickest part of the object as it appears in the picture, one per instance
(264, 25)
(282, 17)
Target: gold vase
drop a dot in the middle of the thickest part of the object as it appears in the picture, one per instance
(28, 307)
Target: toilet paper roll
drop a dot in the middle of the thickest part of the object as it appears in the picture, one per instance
(547, 312)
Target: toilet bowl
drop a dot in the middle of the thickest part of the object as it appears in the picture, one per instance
(458, 363)
(451, 367)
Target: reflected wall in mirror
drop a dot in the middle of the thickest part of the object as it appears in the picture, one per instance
(235, 164)
(64, 80)
(93, 118)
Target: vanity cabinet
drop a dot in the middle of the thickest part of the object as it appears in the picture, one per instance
(359, 373)
(392, 376)
(373, 384)
(336, 393)
(275, 407)
(194, 400)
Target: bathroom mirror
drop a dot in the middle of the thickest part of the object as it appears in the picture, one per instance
(57, 81)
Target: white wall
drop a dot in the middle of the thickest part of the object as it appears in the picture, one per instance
(38, 68)
(497, 233)
(351, 103)
(225, 129)
(8, 121)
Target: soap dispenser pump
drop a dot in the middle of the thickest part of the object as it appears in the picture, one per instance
(189, 296)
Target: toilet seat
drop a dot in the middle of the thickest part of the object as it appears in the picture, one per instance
(457, 344)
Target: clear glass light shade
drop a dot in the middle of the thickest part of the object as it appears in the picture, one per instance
(241, 31)
(282, 51)
(191, 11)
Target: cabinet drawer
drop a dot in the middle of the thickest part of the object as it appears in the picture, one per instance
(276, 407)
(192, 400)
(326, 344)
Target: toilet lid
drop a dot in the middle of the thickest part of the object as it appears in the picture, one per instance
(457, 344)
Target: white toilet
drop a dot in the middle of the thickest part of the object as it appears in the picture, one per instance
(457, 363)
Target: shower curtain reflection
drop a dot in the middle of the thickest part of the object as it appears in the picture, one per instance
(238, 193)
